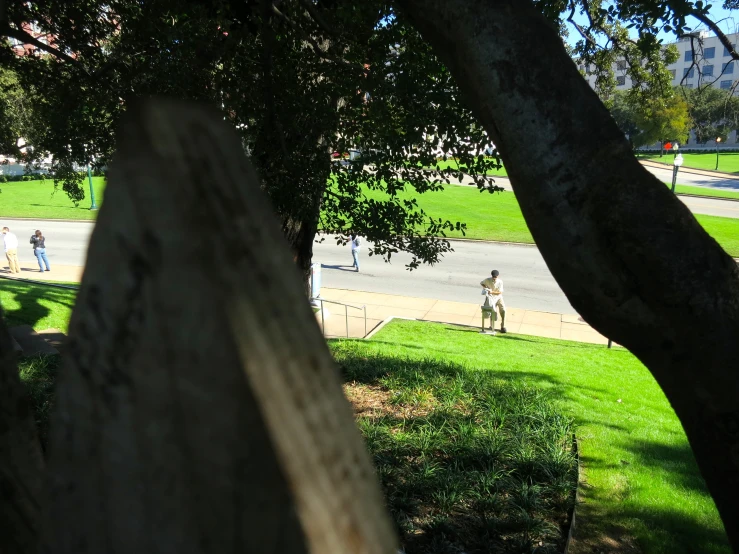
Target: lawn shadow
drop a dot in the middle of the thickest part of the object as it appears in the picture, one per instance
(31, 311)
(468, 460)
(339, 267)
(673, 464)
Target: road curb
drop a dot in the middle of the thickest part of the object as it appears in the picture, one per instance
(706, 196)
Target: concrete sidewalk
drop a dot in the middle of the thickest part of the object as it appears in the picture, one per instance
(381, 306)
(63, 273)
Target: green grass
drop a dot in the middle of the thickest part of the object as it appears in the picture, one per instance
(39, 375)
(498, 216)
(37, 305)
(467, 460)
(728, 162)
(641, 480)
(704, 191)
(39, 200)
(454, 164)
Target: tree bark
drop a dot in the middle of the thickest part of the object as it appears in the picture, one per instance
(21, 462)
(199, 410)
(630, 257)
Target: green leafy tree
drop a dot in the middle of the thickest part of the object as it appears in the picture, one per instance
(293, 79)
(713, 112)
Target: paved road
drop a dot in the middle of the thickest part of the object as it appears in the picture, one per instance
(529, 284)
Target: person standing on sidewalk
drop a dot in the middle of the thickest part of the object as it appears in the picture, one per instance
(39, 249)
(355, 242)
(493, 288)
(10, 241)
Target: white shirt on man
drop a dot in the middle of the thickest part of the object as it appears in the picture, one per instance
(10, 241)
(495, 286)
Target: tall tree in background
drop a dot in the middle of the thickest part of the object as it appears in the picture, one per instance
(713, 111)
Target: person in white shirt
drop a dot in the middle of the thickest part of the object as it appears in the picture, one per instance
(10, 241)
(493, 288)
(355, 242)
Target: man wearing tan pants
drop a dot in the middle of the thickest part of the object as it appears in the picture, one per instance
(10, 241)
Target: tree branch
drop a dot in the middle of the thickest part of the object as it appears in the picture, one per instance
(314, 45)
(26, 38)
(719, 33)
(318, 18)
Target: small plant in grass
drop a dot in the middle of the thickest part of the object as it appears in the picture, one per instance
(468, 463)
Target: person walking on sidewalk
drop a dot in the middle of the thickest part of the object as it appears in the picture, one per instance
(39, 249)
(493, 289)
(355, 242)
(10, 241)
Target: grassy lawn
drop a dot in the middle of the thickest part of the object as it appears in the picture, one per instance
(642, 486)
(704, 191)
(39, 306)
(469, 462)
(444, 164)
(39, 375)
(728, 162)
(39, 200)
(498, 216)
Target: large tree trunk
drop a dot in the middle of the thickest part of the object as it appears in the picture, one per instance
(21, 462)
(629, 256)
(199, 410)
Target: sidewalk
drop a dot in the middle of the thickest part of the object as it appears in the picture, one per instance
(63, 273)
(381, 306)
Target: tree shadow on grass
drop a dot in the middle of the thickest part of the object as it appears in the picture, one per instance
(670, 526)
(28, 296)
(469, 462)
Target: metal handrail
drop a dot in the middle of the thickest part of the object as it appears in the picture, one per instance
(363, 307)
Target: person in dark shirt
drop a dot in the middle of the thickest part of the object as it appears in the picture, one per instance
(39, 249)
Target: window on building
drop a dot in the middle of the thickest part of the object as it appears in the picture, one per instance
(708, 70)
(709, 52)
(689, 71)
(726, 50)
(728, 68)
(672, 72)
(688, 55)
(621, 64)
(688, 86)
(620, 80)
(726, 85)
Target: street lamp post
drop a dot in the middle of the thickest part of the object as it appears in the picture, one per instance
(677, 163)
(93, 205)
(718, 140)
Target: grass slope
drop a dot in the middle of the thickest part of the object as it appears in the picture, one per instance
(39, 200)
(642, 485)
(40, 306)
(498, 216)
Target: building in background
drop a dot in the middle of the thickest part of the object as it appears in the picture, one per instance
(702, 61)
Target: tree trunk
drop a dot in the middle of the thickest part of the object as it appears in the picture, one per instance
(200, 410)
(630, 257)
(21, 462)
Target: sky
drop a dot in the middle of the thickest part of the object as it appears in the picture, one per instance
(727, 20)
